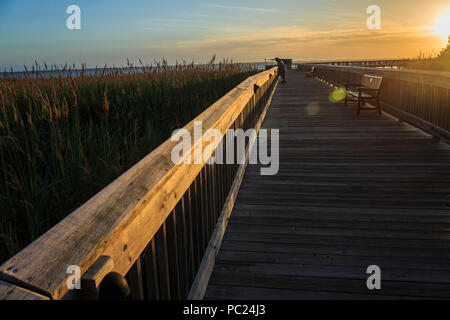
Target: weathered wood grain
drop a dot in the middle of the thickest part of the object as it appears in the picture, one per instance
(90, 281)
(11, 292)
(351, 192)
(201, 280)
(419, 97)
(121, 220)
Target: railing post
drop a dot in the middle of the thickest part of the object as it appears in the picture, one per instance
(114, 287)
(91, 280)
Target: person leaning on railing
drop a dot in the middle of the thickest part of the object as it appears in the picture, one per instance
(282, 69)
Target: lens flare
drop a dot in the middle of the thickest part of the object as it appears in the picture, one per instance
(337, 95)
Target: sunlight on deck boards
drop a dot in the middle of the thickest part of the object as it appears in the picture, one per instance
(352, 191)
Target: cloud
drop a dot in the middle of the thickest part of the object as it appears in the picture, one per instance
(301, 43)
(170, 23)
(247, 9)
(210, 22)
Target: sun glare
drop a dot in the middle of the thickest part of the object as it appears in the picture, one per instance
(442, 26)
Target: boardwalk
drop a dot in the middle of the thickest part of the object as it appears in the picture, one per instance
(351, 192)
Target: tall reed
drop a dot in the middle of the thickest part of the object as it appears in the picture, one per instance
(66, 134)
(437, 62)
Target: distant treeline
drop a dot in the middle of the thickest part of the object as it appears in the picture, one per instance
(438, 62)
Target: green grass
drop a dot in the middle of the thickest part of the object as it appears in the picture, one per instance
(63, 139)
(437, 62)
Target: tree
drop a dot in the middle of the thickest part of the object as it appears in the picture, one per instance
(442, 62)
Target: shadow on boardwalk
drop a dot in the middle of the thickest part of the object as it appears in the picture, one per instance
(351, 192)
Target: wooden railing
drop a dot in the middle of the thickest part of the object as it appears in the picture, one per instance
(158, 226)
(421, 98)
(362, 63)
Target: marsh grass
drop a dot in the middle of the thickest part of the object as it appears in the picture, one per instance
(437, 62)
(63, 138)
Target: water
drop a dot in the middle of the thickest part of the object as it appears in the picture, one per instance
(99, 71)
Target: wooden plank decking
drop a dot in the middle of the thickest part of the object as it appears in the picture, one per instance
(351, 192)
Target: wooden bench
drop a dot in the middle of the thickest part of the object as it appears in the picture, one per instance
(367, 90)
(310, 72)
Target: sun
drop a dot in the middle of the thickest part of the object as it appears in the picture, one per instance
(442, 26)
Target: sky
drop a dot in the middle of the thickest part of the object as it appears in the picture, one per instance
(245, 31)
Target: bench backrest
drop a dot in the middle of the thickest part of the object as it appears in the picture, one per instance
(371, 82)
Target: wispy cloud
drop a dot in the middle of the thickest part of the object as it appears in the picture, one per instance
(295, 41)
(247, 9)
(210, 22)
(171, 23)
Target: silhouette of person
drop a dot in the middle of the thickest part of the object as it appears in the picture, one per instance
(282, 69)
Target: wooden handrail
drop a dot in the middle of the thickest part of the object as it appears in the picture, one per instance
(367, 63)
(419, 97)
(436, 78)
(121, 220)
(11, 292)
